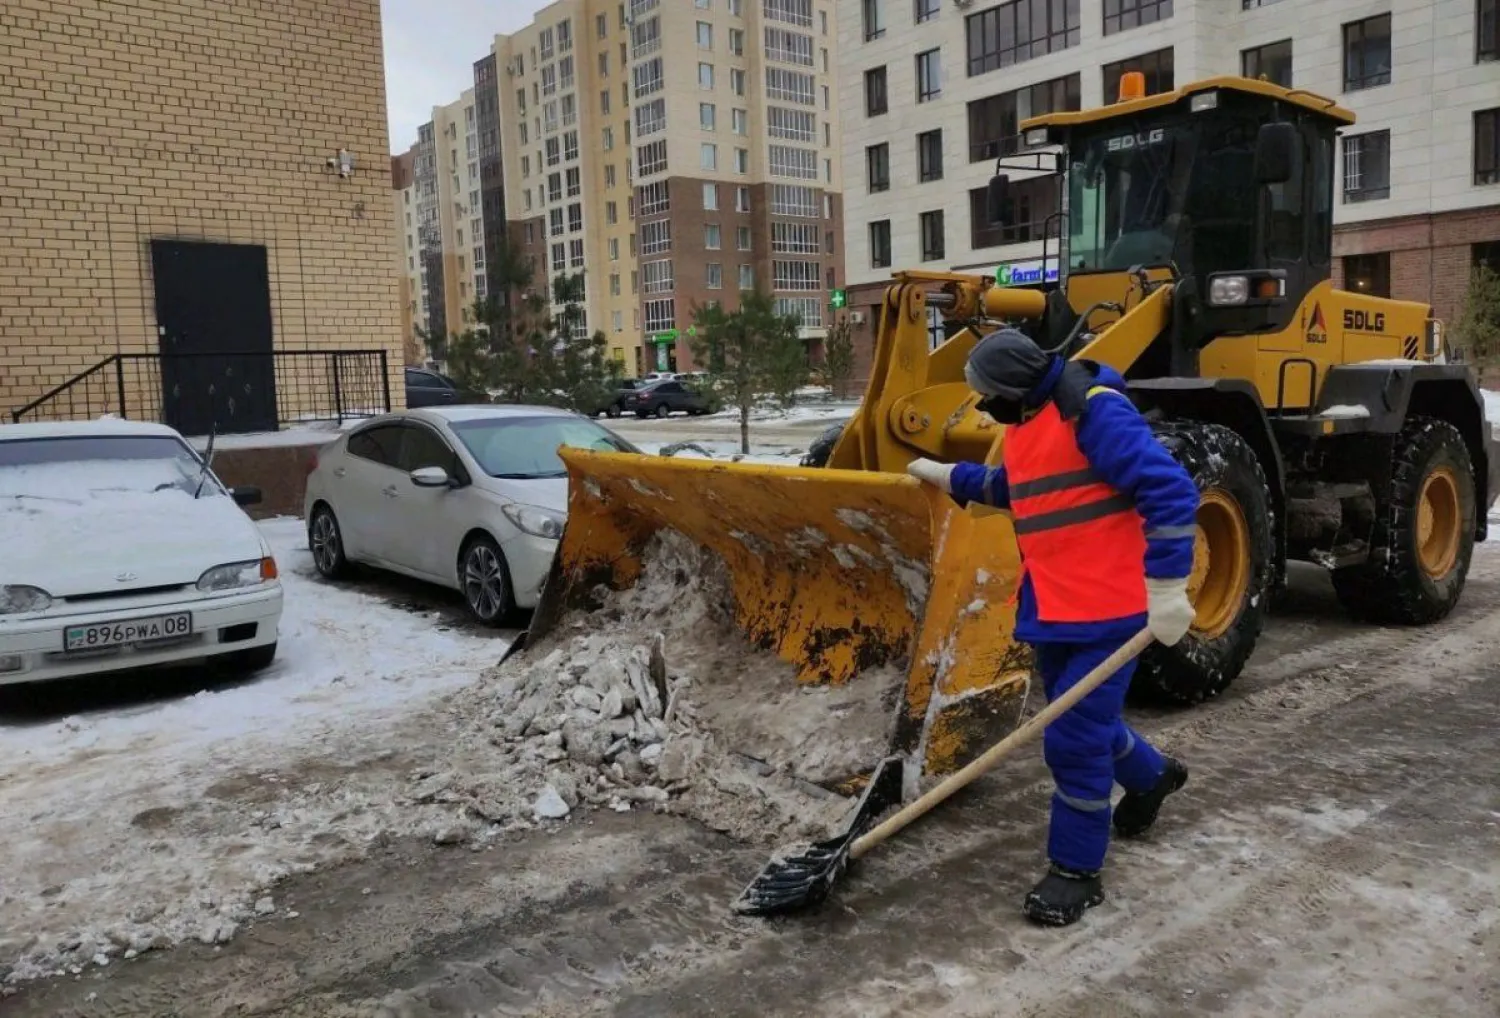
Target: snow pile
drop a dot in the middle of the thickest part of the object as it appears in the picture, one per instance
(656, 699)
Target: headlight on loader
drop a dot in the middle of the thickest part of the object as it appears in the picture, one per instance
(1228, 291)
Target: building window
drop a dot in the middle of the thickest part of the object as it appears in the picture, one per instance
(742, 199)
(930, 156)
(609, 175)
(793, 125)
(575, 184)
(1028, 206)
(880, 244)
(710, 197)
(1273, 61)
(1019, 30)
(712, 240)
(611, 213)
(807, 310)
(705, 35)
(794, 200)
(1367, 166)
(794, 238)
(554, 187)
(994, 122)
(737, 42)
(614, 248)
(1369, 274)
(1486, 30)
(739, 122)
(747, 277)
(713, 276)
(878, 167)
(575, 217)
(736, 81)
(926, 10)
(793, 12)
(1487, 146)
(933, 245)
(789, 47)
(789, 161)
(555, 217)
(1157, 67)
(601, 25)
(570, 145)
(789, 86)
(661, 315)
(875, 98)
(873, 16)
(655, 199)
(609, 137)
(706, 76)
(708, 116)
(656, 277)
(650, 117)
(708, 157)
(645, 37)
(647, 77)
(554, 152)
(656, 239)
(1250, 5)
(652, 159)
(929, 75)
(742, 238)
(559, 257)
(796, 275)
(1120, 15)
(1367, 53)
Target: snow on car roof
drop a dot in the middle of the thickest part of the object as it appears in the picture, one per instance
(104, 427)
(481, 411)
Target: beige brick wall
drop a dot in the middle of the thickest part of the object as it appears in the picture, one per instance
(185, 119)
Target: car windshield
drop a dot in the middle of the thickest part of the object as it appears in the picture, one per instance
(68, 468)
(1120, 200)
(525, 448)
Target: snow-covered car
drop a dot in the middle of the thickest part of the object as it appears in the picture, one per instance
(121, 549)
(472, 498)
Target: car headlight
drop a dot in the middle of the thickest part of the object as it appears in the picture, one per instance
(232, 575)
(18, 598)
(534, 521)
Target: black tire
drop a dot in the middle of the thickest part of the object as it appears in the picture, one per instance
(822, 447)
(662, 410)
(325, 539)
(612, 411)
(247, 662)
(1225, 468)
(481, 565)
(1392, 587)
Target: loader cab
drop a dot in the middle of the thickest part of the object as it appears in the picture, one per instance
(1225, 185)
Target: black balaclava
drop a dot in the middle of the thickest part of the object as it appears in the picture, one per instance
(1003, 368)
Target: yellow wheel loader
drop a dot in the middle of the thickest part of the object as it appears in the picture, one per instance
(1194, 257)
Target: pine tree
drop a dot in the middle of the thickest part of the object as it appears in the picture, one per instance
(838, 356)
(1477, 330)
(751, 353)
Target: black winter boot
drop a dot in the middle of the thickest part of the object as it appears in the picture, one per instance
(1137, 810)
(1062, 897)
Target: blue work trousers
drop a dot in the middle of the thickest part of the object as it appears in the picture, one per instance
(1089, 749)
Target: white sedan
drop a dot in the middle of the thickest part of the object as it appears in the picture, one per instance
(473, 498)
(122, 550)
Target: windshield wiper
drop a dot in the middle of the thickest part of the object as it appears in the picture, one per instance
(530, 477)
(208, 458)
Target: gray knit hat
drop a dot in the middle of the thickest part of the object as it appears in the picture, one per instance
(1006, 364)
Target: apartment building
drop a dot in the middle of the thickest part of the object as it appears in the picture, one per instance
(935, 91)
(403, 199)
(674, 153)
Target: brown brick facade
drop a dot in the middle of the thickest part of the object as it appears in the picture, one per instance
(1430, 256)
(124, 122)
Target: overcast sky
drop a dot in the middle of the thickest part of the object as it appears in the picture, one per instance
(430, 49)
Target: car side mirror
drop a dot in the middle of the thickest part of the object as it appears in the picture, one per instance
(995, 197)
(1275, 153)
(430, 477)
(247, 494)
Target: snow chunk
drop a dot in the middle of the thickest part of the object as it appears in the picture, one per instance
(550, 805)
(1345, 411)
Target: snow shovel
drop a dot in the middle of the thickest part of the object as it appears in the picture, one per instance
(791, 883)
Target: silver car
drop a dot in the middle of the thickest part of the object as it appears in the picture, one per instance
(473, 498)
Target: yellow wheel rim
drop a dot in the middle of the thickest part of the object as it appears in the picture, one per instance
(1221, 564)
(1438, 523)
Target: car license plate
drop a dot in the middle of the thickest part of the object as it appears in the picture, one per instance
(115, 634)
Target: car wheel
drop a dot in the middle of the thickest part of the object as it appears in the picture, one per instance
(485, 579)
(612, 412)
(326, 542)
(246, 662)
(663, 410)
(642, 414)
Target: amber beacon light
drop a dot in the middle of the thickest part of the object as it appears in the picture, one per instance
(1132, 86)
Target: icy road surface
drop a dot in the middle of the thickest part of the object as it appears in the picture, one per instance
(156, 817)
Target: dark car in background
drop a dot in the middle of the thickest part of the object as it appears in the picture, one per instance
(669, 396)
(429, 388)
(614, 404)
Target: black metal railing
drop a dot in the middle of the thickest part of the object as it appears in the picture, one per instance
(227, 393)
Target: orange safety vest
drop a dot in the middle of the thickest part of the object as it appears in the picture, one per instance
(1082, 542)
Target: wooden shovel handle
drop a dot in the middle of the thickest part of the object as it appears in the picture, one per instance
(1000, 750)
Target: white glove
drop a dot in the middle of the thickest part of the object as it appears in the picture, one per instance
(939, 475)
(1169, 613)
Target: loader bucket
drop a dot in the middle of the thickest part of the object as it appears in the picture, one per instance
(841, 574)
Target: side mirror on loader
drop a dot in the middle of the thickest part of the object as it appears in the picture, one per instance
(1275, 153)
(995, 198)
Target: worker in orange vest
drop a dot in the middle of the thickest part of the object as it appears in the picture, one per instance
(1105, 520)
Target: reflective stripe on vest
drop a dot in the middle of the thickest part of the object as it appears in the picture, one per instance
(1082, 543)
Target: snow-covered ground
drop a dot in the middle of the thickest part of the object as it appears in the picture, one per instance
(124, 828)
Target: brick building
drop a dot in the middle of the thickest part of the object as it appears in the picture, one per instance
(198, 179)
(934, 92)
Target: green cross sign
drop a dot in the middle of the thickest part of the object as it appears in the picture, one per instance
(838, 300)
